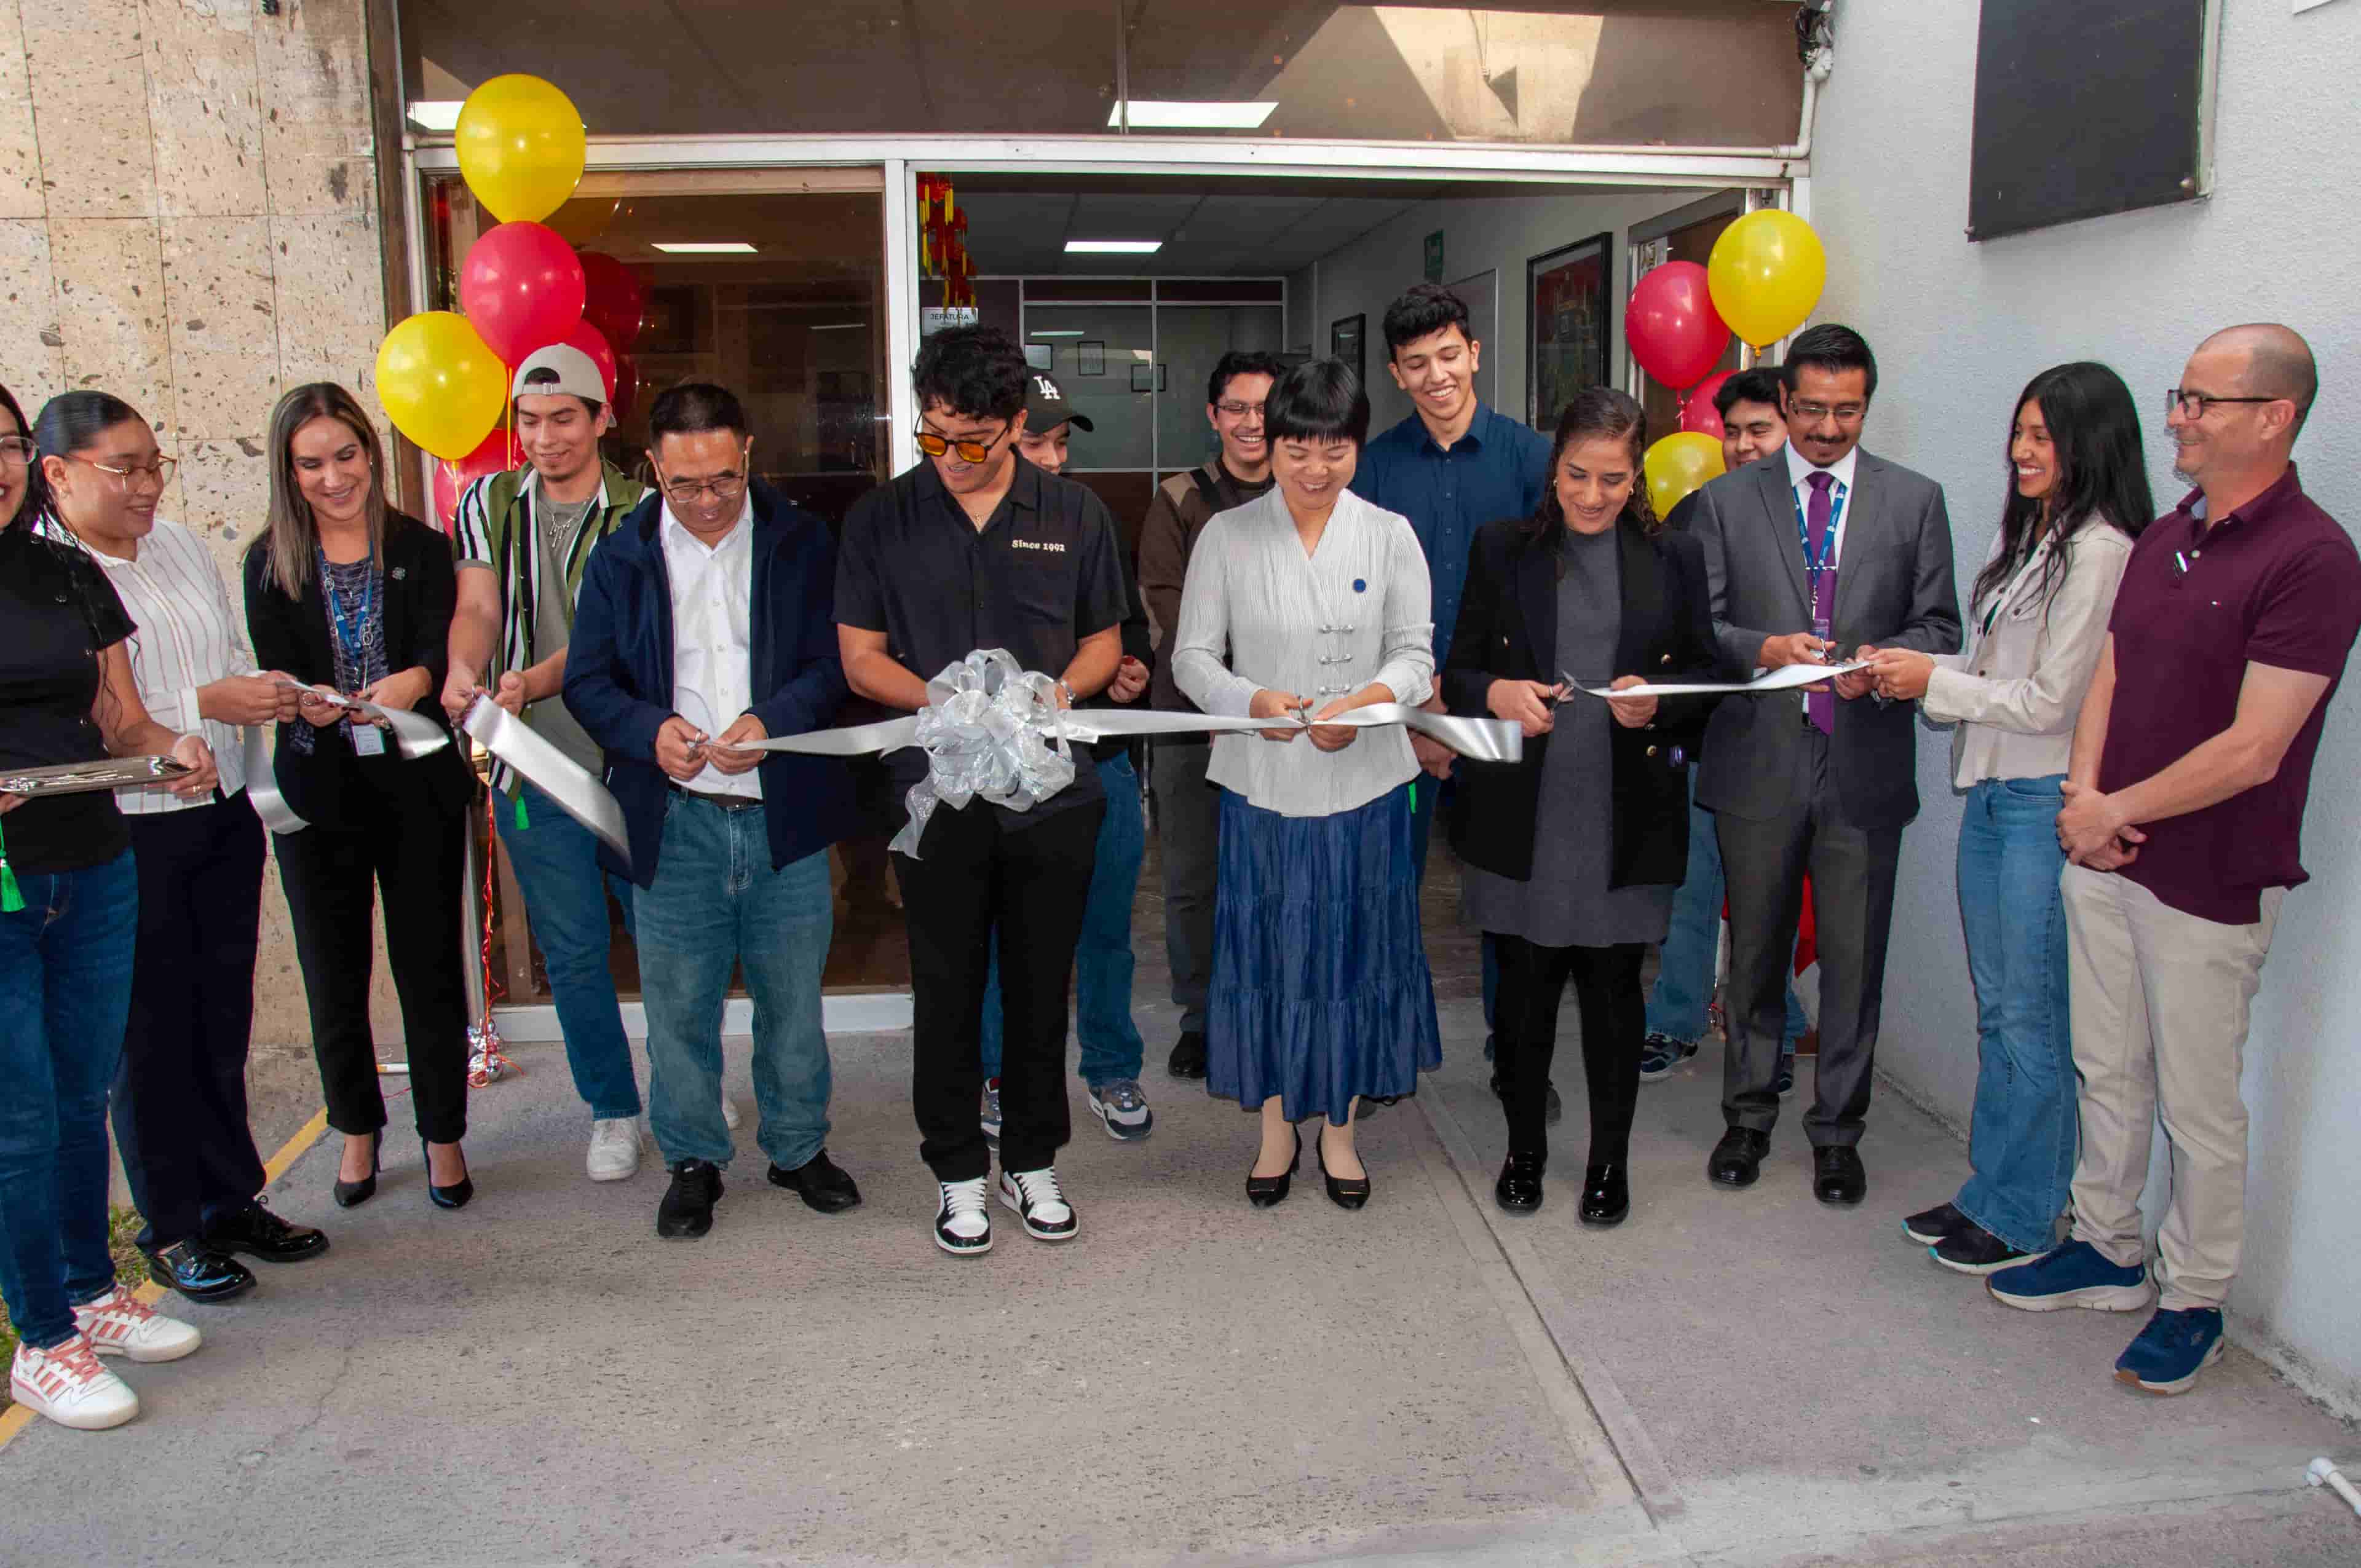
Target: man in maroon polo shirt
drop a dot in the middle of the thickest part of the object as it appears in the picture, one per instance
(2184, 809)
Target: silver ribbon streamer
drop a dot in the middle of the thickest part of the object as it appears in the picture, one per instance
(262, 784)
(415, 734)
(577, 791)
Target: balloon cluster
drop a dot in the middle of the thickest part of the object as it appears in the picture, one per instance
(1763, 276)
(443, 375)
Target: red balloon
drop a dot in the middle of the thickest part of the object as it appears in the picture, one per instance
(498, 451)
(1698, 413)
(627, 386)
(521, 288)
(593, 342)
(617, 303)
(1677, 336)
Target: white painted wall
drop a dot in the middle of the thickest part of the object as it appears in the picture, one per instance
(1479, 232)
(1959, 329)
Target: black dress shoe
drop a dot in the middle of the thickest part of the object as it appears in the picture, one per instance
(1268, 1191)
(1519, 1191)
(1606, 1195)
(1188, 1060)
(1836, 1173)
(454, 1196)
(688, 1207)
(258, 1233)
(351, 1194)
(1343, 1193)
(1737, 1160)
(820, 1183)
(198, 1272)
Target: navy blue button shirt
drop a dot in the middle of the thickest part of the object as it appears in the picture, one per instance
(1495, 471)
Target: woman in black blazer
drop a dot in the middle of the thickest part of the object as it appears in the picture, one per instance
(1573, 854)
(345, 594)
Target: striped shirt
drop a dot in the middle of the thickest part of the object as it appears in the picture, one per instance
(1354, 611)
(187, 637)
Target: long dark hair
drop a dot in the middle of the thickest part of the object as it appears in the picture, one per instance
(2102, 473)
(71, 422)
(35, 499)
(290, 534)
(1597, 412)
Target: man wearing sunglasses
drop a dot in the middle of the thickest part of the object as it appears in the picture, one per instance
(2184, 812)
(976, 548)
(704, 622)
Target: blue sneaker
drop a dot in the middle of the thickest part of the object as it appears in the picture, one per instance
(2172, 1350)
(991, 1117)
(2071, 1275)
(1660, 1053)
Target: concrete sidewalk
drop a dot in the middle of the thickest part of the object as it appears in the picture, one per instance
(1728, 1379)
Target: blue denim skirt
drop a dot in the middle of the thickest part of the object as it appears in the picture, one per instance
(1319, 987)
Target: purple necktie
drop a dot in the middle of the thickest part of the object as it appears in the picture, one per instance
(1820, 704)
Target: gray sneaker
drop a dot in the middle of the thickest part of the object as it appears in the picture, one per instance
(1120, 1105)
(992, 1113)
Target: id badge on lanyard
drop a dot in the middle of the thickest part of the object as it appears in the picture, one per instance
(1826, 561)
(368, 740)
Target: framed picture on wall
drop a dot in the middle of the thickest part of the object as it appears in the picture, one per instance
(1345, 342)
(1089, 359)
(1569, 326)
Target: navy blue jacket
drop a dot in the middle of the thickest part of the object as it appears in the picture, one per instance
(619, 676)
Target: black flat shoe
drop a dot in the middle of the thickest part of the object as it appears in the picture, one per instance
(352, 1194)
(1836, 1173)
(1737, 1160)
(1606, 1195)
(820, 1183)
(454, 1196)
(1519, 1191)
(1188, 1058)
(1265, 1191)
(197, 1271)
(686, 1211)
(258, 1233)
(1343, 1193)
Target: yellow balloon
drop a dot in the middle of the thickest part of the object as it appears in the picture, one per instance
(441, 385)
(521, 148)
(1767, 273)
(1677, 464)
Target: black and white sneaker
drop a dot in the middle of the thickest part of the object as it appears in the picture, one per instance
(1932, 1227)
(963, 1222)
(1035, 1196)
(1975, 1250)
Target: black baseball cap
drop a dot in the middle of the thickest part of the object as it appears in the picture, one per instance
(1046, 407)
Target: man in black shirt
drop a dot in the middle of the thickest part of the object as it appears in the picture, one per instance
(976, 548)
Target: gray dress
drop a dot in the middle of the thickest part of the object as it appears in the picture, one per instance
(1569, 904)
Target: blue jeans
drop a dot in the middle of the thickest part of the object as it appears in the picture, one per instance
(2022, 1138)
(1676, 1007)
(716, 903)
(65, 996)
(556, 863)
(1112, 1047)
(1426, 793)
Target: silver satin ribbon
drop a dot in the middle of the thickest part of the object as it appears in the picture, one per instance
(415, 734)
(578, 793)
(262, 784)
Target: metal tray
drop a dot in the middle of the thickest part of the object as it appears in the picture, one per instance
(75, 778)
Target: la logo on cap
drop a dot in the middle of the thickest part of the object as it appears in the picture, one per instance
(1047, 389)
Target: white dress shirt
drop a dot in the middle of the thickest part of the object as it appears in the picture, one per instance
(187, 637)
(712, 611)
(1799, 484)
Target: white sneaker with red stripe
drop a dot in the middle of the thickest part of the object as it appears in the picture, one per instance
(119, 1323)
(66, 1384)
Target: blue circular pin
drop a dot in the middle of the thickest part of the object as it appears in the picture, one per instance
(1360, 585)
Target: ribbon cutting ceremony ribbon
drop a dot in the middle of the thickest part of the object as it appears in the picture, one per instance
(416, 735)
(262, 784)
(1787, 677)
(577, 791)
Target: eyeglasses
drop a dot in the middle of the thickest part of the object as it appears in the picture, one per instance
(2192, 405)
(934, 445)
(159, 471)
(721, 487)
(17, 451)
(1238, 410)
(1812, 413)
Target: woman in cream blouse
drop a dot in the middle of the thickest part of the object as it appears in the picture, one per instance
(1308, 601)
(2039, 609)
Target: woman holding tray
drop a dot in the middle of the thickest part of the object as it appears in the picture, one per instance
(1574, 854)
(69, 922)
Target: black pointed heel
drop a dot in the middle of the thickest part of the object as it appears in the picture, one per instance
(1343, 1193)
(1263, 1192)
(454, 1196)
(352, 1194)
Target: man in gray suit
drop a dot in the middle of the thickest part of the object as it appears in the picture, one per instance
(1811, 554)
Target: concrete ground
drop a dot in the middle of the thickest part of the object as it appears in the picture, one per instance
(1728, 1379)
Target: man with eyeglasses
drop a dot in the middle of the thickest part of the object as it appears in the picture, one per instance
(1188, 809)
(521, 539)
(706, 622)
(1812, 553)
(2183, 819)
(976, 548)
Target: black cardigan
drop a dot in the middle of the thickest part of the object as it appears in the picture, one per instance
(1507, 631)
(421, 591)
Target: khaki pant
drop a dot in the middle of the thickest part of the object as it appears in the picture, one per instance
(2160, 1003)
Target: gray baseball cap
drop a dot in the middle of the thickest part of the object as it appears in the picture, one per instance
(1046, 407)
(561, 369)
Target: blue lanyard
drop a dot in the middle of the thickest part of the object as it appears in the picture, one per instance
(349, 627)
(1827, 557)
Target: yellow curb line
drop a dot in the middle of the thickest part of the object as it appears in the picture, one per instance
(16, 1418)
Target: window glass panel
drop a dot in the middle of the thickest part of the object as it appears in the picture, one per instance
(1104, 356)
(1192, 339)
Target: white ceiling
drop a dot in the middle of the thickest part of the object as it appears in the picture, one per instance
(1025, 230)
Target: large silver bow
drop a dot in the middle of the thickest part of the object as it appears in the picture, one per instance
(989, 729)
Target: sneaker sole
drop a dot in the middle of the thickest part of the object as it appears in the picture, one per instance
(1119, 1131)
(1979, 1269)
(1924, 1238)
(604, 1175)
(149, 1359)
(2095, 1297)
(104, 1422)
(1027, 1221)
(977, 1250)
(2179, 1384)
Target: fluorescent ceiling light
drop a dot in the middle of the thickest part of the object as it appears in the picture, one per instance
(838, 326)
(1113, 246)
(1159, 114)
(708, 247)
(1059, 331)
(436, 113)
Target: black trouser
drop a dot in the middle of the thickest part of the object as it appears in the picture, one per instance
(180, 1093)
(1614, 1021)
(1188, 830)
(412, 851)
(1031, 878)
